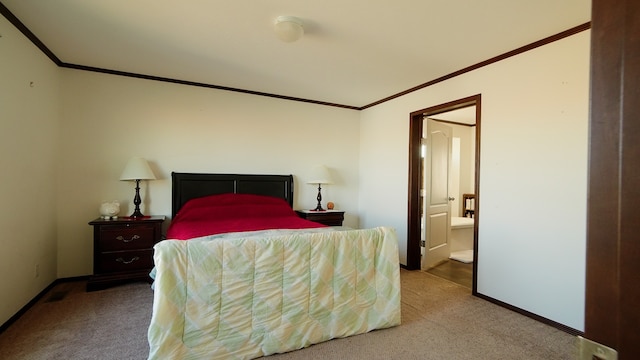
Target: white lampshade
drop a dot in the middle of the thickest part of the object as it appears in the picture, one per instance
(320, 175)
(137, 169)
(288, 28)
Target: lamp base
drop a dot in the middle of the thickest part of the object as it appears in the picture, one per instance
(319, 198)
(137, 201)
(136, 214)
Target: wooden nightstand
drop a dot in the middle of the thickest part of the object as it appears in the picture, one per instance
(123, 249)
(328, 217)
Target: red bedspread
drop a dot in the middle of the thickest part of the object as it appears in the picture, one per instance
(217, 214)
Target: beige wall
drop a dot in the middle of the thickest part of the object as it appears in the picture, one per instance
(106, 119)
(533, 174)
(29, 112)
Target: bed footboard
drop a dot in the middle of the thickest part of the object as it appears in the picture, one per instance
(254, 295)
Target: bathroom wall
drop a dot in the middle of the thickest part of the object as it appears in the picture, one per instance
(466, 170)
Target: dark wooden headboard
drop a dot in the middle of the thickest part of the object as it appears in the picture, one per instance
(186, 186)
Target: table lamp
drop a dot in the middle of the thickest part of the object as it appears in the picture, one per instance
(137, 169)
(320, 176)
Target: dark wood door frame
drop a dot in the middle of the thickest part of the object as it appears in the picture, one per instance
(413, 217)
(612, 313)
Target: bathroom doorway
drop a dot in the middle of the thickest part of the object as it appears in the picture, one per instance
(463, 116)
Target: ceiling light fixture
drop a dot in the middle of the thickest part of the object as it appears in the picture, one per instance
(288, 28)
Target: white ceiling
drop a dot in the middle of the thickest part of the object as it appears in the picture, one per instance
(354, 52)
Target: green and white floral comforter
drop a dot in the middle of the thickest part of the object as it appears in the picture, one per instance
(246, 295)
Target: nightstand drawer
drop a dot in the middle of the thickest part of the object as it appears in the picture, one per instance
(126, 260)
(117, 237)
(328, 217)
(123, 249)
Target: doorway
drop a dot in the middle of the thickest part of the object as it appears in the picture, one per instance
(448, 114)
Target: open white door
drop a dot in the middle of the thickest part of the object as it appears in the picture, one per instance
(436, 206)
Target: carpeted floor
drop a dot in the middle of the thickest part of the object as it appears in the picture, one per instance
(440, 320)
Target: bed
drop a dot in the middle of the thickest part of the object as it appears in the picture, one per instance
(243, 293)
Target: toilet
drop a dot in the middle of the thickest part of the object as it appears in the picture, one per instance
(461, 240)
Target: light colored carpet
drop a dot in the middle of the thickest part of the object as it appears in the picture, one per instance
(440, 320)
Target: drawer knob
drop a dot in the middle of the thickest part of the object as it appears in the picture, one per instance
(123, 239)
(121, 260)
